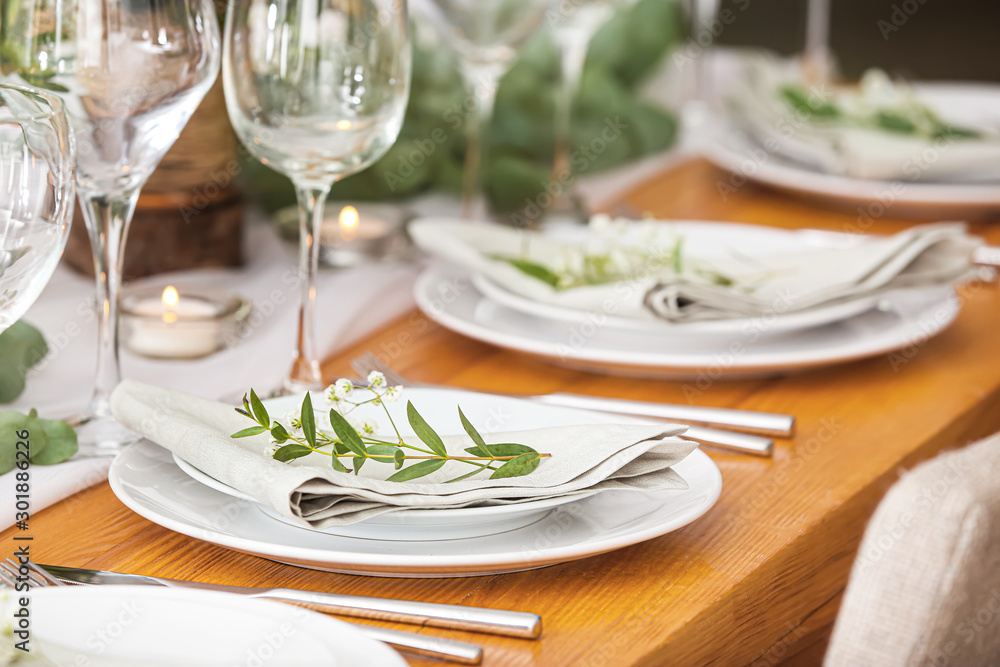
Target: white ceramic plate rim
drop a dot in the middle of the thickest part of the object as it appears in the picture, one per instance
(772, 360)
(207, 603)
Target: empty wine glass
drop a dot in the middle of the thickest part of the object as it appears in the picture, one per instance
(131, 73)
(574, 24)
(316, 90)
(37, 158)
(487, 35)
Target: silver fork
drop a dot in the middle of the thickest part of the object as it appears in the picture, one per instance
(443, 649)
(739, 442)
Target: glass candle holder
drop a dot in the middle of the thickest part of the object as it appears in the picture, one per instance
(180, 323)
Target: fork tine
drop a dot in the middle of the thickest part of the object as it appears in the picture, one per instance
(14, 568)
(369, 362)
(7, 576)
(43, 574)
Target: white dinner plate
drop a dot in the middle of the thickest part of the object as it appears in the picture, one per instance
(146, 479)
(124, 626)
(717, 242)
(732, 150)
(447, 296)
(416, 524)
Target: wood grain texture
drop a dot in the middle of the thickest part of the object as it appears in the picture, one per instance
(755, 581)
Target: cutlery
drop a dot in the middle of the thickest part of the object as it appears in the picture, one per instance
(444, 649)
(741, 442)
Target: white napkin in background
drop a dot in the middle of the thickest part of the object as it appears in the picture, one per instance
(583, 458)
(926, 255)
(840, 148)
(350, 304)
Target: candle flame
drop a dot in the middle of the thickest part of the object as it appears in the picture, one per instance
(343, 124)
(170, 296)
(349, 218)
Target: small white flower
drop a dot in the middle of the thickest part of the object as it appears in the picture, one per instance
(376, 380)
(271, 448)
(339, 390)
(368, 427)
(290, 420)
(392, 394)
(600, 222)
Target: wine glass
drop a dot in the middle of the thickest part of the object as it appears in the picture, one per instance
(487, 35)
(37, 159)
(574, 24)
(316, 89)
(131, 73)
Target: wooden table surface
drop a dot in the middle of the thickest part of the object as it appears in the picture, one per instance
(757, 580)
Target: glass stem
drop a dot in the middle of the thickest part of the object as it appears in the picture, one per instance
(481, 82)
(305, 373)
(107, 218)
(573, 58)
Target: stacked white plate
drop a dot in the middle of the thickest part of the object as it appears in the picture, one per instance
(598, 341)
(420, 543)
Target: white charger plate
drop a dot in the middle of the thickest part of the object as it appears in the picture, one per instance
(447, 296)
(732, 150)
(123, 626)
(146, 479)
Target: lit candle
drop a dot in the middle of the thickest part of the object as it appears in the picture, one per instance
(172, 326)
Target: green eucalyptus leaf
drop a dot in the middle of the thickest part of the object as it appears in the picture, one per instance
(292, 451)
(417, 470)
(399, 459)
(474, 434)
(510, 449)
(389, 452)
(357, 462)
(308, 419)
(279, 433)
(895, 122)
(258, 410)
(426, 434)
(12, 423)
(347, 434)
(248, 432)
(62, 443)
(517, 467)
(21, 348)
(338, 466)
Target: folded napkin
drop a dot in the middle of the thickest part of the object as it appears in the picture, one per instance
(51, 484)
(923, 256)
(584, 459)
(844, 146)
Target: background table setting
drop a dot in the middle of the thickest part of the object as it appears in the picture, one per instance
(514, 332)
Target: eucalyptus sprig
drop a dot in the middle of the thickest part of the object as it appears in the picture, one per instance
(357, 443)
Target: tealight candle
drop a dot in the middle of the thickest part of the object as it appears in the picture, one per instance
(356, 233)
(169, 325)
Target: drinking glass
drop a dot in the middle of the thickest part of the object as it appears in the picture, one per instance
(316, 90)
(487, 35)
(131, 73)
(37, 159)
(574, 24)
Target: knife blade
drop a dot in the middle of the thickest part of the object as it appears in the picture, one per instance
(458, 617)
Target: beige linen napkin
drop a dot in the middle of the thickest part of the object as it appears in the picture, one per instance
(923, 256)
(584, 458)
(849, 149)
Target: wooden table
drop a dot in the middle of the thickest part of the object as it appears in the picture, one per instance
(757, 580)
